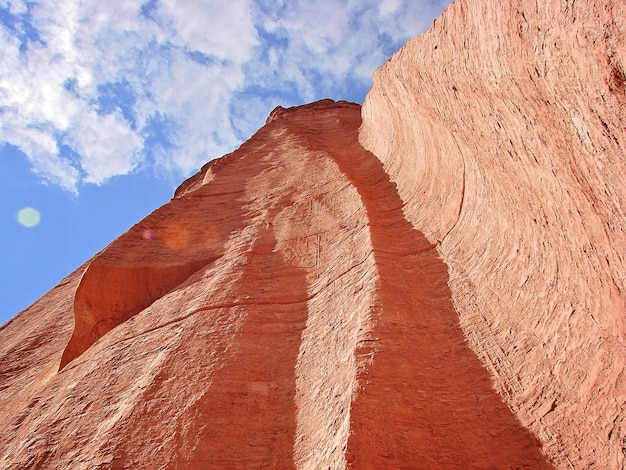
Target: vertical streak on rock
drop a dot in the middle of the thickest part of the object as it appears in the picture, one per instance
(324, 230)
(196, 345)
(425, 397)
(247, 413)
(526, 99)
(326, 369)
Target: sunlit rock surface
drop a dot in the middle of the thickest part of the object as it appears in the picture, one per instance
(279, 312)
(504, 127)
(454, 299)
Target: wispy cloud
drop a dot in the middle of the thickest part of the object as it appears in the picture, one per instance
(90, 90)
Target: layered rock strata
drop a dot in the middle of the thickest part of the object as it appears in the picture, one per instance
(279, 312)
(284, 310)
(504, 128)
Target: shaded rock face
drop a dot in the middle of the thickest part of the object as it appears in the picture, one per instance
(279, 312)
(504, 128)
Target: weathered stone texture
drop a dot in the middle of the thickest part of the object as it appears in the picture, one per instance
(504, 127)
(453, 299)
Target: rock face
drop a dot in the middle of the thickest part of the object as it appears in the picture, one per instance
(285, 310)
(504, 128)
(279, 312)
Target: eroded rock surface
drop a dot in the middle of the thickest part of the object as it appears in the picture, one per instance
(504, 128)
(279, 312)
(285, 310)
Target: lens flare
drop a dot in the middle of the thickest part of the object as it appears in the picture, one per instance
(28, 217)
(147, 234)
(175, 236)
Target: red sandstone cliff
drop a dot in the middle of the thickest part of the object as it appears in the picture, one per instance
(504, 128)
(284, 310)
(279, 312)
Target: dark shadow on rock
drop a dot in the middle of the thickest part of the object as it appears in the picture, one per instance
(426, 400)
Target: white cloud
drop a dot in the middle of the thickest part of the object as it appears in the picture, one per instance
(223, 29)
(18, 7)
(106, 145)
(387, 8)
(90, 90)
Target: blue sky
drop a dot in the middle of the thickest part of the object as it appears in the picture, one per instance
(105, 107)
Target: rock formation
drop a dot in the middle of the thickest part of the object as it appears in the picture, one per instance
(453, 299)
(279, 312)
(504, 128)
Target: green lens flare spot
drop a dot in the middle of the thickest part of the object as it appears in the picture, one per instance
(28, 217)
